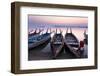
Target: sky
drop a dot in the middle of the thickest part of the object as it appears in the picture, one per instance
(41, 21)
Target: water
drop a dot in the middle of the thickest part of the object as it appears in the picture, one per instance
(44, 52)
(78, 32)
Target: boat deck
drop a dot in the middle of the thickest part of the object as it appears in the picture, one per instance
(70, 45)
(44, 53)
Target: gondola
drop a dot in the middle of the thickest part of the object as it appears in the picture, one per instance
(71, 43)
(85, 37)
(57, 44)
(35, 41)
(31, 33)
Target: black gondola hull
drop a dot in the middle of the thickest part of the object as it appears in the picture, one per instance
(74, 52)
(56, 51)
(71, 44)
(40, 44)
(67, 49)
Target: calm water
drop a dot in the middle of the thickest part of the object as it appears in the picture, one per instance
(78, 32)
(44, 52)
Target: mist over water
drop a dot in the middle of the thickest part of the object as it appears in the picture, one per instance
(78, 32)
(77, 24)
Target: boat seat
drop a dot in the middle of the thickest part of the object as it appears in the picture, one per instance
(73, 43)
(57, 42)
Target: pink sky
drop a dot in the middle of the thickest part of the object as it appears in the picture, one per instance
(58, 19)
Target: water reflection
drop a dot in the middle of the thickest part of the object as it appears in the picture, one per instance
(43, 52)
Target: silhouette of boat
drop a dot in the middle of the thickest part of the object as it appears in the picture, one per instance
(57, 44)
(85, 37)
(31, 33)
(71, 43)
(37, 40)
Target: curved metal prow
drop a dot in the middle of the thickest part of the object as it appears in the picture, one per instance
(70, 30)
(56, 31)
(39, 31)
(47, 31)
(61, 31)
(35, 30)
(67, 30)
(85, 32)
(50, 30)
